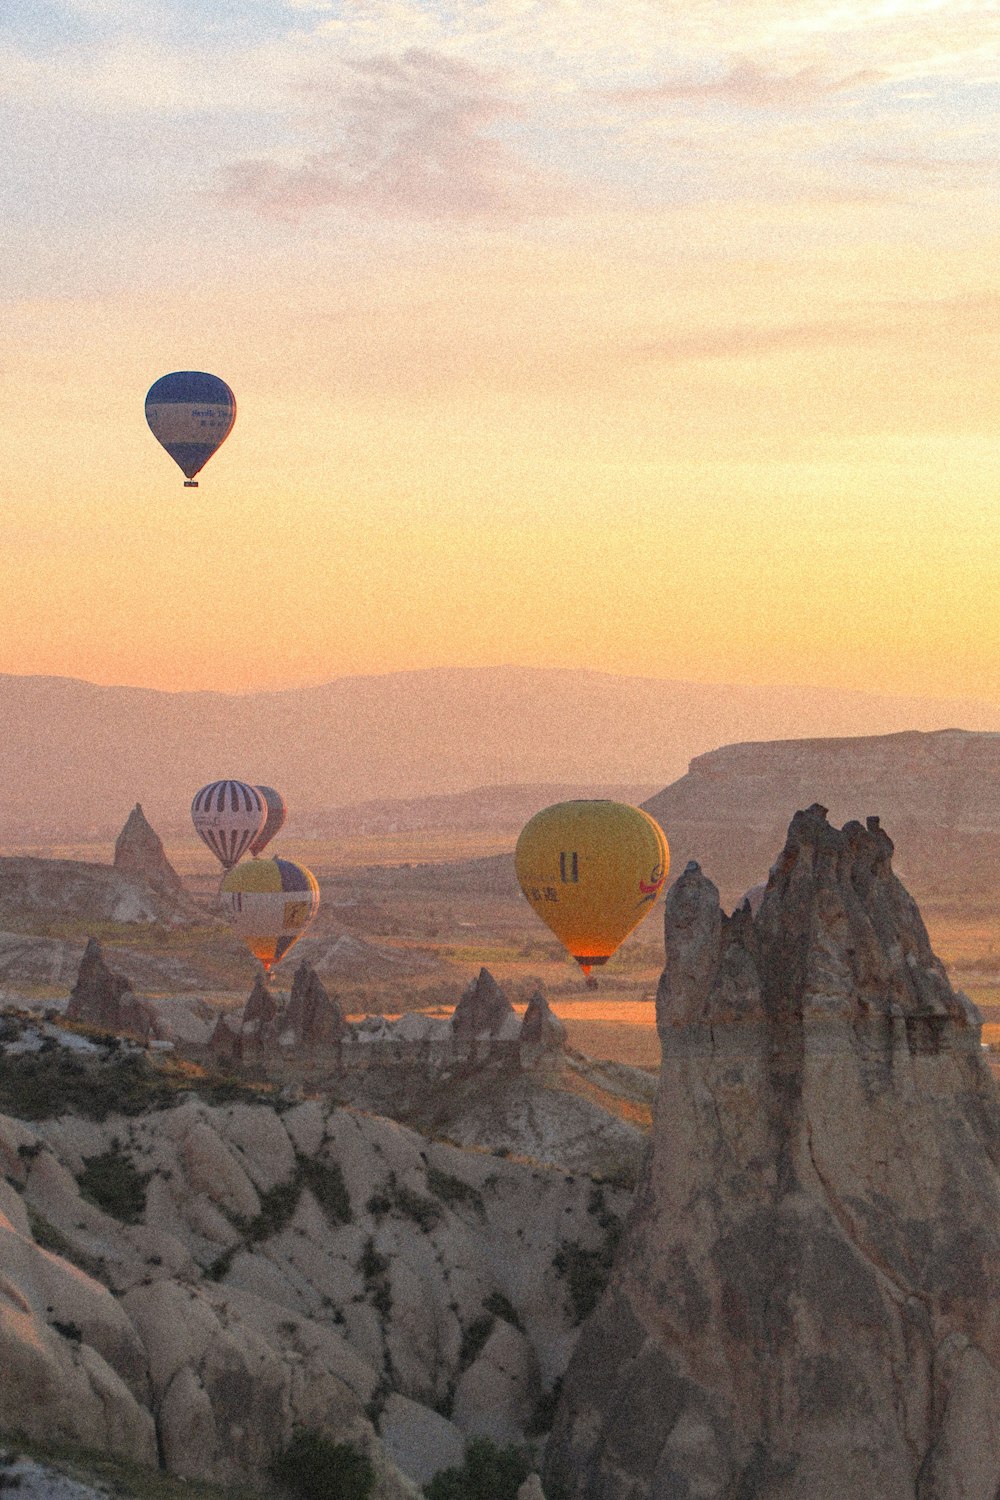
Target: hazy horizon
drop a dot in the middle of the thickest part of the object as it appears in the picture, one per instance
(78, 755)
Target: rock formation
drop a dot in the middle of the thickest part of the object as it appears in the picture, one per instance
(806, 1305)
(139, 852)
(103, 998)
(542, 1032)
(935, 791)
(313, 1018)
(200, 1281)
(485, 1011)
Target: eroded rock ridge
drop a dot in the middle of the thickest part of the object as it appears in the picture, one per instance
(807, 1302)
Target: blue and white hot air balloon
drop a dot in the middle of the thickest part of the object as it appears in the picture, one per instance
(227, 816)
(191, 414)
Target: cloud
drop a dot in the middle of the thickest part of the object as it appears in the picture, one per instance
(748, 342)
(412, 139)
(747, 85)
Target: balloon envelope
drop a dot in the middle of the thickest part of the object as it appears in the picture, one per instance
(191, 414)
(270, 903)
(226, 816)
(592, 871)
(274, 802)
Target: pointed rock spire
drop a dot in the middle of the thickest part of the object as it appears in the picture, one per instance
(804, 1303)
(314, 1017)
(541, 1029)
(105, 999)
(139, 851)
(483, 1010)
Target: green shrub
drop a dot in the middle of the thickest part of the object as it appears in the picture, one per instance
(375, 1269)
(314, 1467)
(277, 1205)
(453, 1191)
(42, 1085)
(497, 1304)
(325, 1181)
(50, 1238)
(474, 1339)
(488, 1473)
(423, 1211)
(587, 1271)
(112, 1182)
(544, 1413)
(396, 1197)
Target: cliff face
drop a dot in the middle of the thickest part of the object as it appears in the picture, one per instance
(936, 791)
(807, 1303)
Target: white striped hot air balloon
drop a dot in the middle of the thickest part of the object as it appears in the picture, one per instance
(227, 816)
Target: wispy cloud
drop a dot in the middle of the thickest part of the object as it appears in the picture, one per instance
(748, 85)
(746, 342)
(412, 137)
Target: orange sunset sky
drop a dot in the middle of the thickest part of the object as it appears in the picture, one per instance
(653, 337)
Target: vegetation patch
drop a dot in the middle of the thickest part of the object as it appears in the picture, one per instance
(113, 1183)
(115, 1475)
(488, 1473)
(453, 1191)
(48, 1237)
(544, 1413)
(497, 1304)
(395, 1197)
(42, 1085)
(587, 1271)
(325, 1181)
(474, 1339)
(313, 1467)
(71, 1331)
(375, 1270)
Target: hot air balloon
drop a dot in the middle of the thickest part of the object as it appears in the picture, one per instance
(191, 414)
(270, 903)
(227, 815)
(274, 822)
(592, 871)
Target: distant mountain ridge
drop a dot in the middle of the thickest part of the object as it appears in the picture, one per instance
(75, 756)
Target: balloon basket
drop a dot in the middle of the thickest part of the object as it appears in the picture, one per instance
(190, 484)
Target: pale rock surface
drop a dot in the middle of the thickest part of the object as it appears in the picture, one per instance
(54, 1382)
(243, 1304)
(806, 1305)
(497, 1393)
(935, 790)
(419, 1441)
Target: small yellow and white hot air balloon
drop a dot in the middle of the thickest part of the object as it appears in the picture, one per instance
(592, 870)
(270, 903)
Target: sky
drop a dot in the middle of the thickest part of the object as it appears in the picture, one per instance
(658, 337)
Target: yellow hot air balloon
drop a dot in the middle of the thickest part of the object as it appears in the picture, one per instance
(270, 903)
(592, 871)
